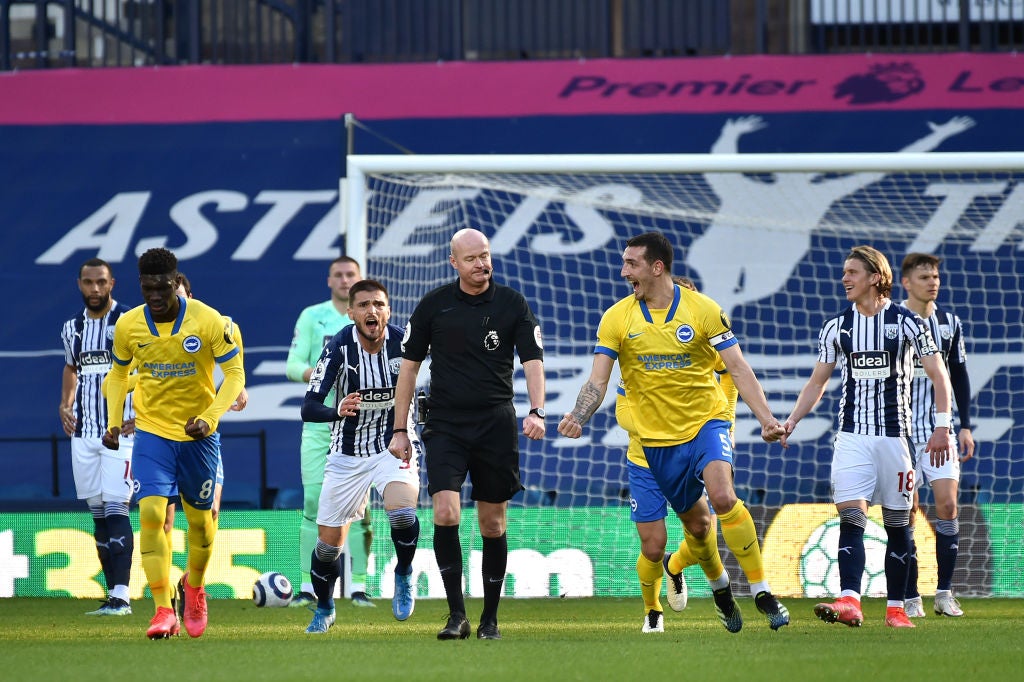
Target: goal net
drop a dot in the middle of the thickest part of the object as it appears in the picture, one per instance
(765, 236)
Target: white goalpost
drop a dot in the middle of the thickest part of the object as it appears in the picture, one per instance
(765, 236)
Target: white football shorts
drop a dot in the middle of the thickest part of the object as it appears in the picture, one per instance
(924, 472)
(102, 472)
(878, 469)
(347, 479)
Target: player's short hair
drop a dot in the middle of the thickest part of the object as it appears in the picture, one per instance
(912, 261)
(158, 261)
(876, 264)
(656, 247)
(185, 283)
(367, 285)
(685, 282)
(345, 259)
(95, 263)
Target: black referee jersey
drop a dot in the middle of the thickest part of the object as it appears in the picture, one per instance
(471, 340)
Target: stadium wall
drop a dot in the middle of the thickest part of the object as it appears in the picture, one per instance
(236, 168)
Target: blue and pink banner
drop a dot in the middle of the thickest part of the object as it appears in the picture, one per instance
(760, 84)
(236, 169)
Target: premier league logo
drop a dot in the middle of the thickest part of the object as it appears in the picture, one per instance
(882, 83)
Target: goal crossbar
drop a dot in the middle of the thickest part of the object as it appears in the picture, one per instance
(358, 166)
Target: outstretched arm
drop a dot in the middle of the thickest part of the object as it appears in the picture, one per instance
(590, 398)
(940, 132)
(809, 396)
(753, 394)
(733, 130)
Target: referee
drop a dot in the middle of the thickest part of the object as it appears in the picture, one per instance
(470, 328)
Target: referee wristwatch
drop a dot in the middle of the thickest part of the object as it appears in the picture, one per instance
(539, 411)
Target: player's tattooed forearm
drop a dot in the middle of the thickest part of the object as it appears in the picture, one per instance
(587, 403)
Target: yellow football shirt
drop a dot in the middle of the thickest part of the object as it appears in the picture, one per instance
(231, 328)
(667, 359)
(175, 364)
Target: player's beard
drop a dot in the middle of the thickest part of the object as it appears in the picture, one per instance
(375, 337)
(104, 301)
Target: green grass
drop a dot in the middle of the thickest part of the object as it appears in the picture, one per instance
(544, 639)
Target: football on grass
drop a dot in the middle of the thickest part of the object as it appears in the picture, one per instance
(272, 589)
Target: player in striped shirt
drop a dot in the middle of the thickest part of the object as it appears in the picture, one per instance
(920, 278)
(316, 325)
(359, 367)
(874, 341)
(103, 478)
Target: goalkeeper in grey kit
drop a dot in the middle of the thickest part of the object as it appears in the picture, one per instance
(362, 362)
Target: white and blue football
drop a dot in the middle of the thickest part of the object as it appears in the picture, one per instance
(272, 589)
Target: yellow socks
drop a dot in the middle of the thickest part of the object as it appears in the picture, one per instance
(153, 547)
(201, 531)
(741, 537)
(651, 575)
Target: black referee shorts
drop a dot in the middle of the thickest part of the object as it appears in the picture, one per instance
(483, 443)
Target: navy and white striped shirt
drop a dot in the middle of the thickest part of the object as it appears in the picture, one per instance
(948, 333)
(876, 355)
(87, 348)
(344, 365)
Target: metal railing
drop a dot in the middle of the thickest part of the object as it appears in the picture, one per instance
(94, 33)
(57, 489)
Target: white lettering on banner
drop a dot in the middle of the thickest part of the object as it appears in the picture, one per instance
(1003, 223)
(107, 232)
(529, 573)
(110, 230)
(12, 566)
(429, 208)
(284, 206)
(200, 234)
(595, 228)
(322, 242)
(957, 198)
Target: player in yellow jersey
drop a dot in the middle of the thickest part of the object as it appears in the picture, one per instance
(184, 290)
(176, 343)
(649, 508)
(231, 329)
(667, 340)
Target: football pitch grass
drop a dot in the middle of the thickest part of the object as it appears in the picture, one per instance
(544, 639)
